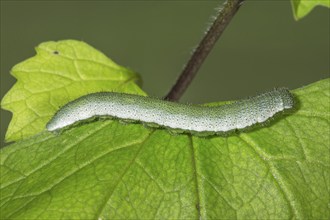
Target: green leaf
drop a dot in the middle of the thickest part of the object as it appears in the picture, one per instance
(109, 170)
(302, 7)
(60, 72)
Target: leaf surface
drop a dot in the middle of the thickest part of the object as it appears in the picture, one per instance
(301, 8)
(60, 72)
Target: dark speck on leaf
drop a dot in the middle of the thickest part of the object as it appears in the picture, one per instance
(56, 52)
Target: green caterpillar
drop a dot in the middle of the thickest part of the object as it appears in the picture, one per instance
(187, 118)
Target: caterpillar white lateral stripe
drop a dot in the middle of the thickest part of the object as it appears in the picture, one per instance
(188, 118)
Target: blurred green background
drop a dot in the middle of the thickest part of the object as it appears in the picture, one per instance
(262, 48)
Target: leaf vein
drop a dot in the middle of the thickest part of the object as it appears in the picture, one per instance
(250, 142)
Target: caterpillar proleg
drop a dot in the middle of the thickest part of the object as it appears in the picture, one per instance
(188, 118)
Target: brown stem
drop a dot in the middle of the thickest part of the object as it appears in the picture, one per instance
(228, 11)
